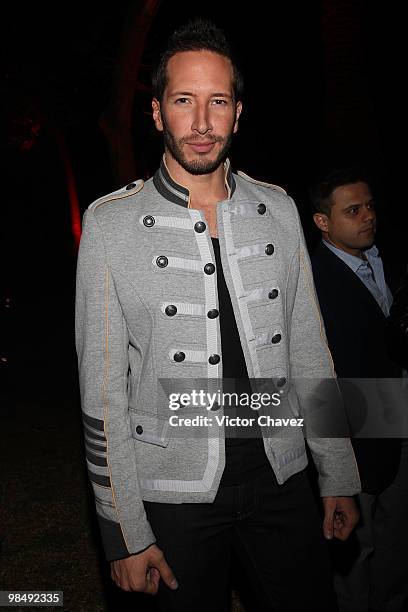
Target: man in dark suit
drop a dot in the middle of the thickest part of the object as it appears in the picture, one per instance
(355, 302)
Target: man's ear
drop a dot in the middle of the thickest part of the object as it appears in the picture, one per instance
(238, 111)
(157, 118)
(321, 221)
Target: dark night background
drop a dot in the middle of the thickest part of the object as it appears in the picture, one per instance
(323, 87)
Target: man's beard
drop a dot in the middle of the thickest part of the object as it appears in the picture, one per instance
(196, 166)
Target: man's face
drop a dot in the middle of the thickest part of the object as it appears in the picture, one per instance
(352, 221)
(198, 114)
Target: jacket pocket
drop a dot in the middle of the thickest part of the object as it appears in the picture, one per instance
(149, 428)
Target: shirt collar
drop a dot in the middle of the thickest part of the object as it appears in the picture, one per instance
(352, 261)
(371, 252)
(178, 194)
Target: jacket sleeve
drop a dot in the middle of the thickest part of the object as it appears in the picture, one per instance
(102, 348)
(313, 372)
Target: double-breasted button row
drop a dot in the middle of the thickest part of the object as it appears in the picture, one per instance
(180, 356)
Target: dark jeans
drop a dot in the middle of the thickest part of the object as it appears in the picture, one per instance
(276, 531)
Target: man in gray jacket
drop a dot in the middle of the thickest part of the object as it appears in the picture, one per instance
(196, 275)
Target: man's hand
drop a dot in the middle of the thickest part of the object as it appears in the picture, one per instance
(142, 572)
(340, 517)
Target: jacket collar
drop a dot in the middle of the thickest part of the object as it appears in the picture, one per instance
(176, 193)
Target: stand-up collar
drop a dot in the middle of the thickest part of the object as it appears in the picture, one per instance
(176, 193)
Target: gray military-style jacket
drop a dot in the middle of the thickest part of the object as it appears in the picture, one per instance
(142, 251)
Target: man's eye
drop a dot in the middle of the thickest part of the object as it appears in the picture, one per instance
(219, 102)
(353, 211)
(181, 100)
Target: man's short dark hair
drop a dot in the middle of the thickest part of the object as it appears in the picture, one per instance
(196, 35)
(321, 193)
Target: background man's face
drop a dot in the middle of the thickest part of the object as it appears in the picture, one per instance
(198, 114)
(352, 222)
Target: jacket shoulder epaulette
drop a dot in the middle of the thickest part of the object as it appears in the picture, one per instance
(252, 180)
(123, 192)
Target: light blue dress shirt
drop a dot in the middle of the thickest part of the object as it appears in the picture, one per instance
(370, 272)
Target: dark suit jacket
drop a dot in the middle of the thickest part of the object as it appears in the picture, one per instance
(356, 332)
(397, 325)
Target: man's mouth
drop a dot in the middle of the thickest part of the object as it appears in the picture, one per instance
(202, 147)
(368, 230)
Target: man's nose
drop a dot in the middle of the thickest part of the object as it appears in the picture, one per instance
(369, 214)
(201, 120)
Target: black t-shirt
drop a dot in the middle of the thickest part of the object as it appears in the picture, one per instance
(245, 457)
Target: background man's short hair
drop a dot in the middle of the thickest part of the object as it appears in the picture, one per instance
(321, 193)
(196, 35)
